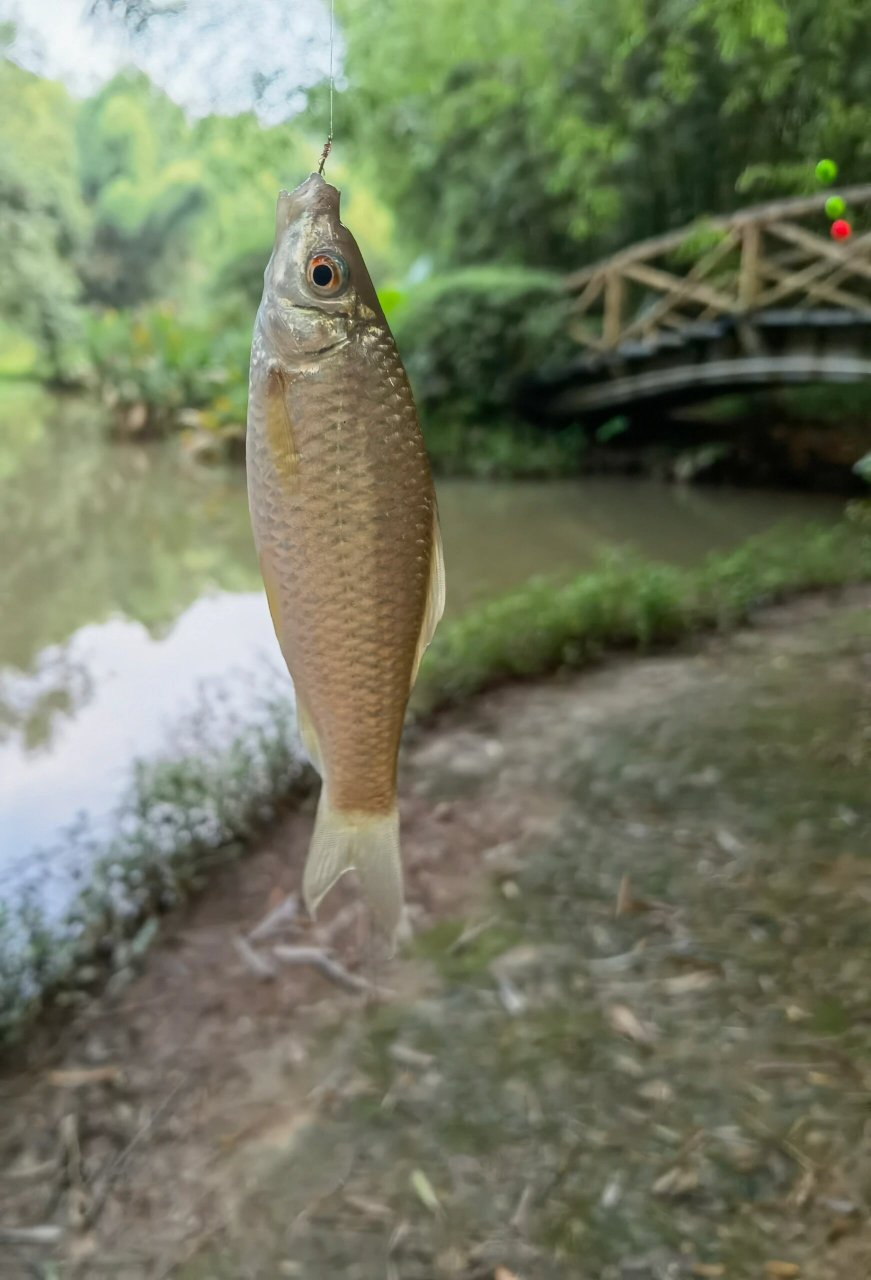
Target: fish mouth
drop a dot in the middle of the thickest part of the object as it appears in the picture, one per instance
(314, 195)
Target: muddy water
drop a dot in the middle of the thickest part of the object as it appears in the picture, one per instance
(129, 583)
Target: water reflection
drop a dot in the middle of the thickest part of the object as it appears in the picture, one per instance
(141, 688)
(500, 534)
(89, 529)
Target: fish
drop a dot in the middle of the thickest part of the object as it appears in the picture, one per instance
(345, 522)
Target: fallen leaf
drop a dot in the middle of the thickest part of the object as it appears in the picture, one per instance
(423, 1189)
(782, 1270)
(502, 1273)
(695, 980)
(612, 1194)
(513, 1001)
(624, 897)
(656, 1091)
(625, 1023)
(406, 1056)
(676, 1182)
(370, 1208)
(729, 844)
(820, 1078)
(840, 1227)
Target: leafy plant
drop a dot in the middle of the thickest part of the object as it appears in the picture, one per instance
(469, 337)
(157, 371)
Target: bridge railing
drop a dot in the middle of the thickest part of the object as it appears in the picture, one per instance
(777, 255)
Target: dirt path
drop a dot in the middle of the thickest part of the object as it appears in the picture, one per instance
(630, 1038)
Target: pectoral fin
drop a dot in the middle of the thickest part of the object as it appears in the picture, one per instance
(435, 597)
(279, 431)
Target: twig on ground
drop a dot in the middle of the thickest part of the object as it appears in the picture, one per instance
(274, 921)
(470, 933)
(520, 1217)
(117, 1164)
(328, 968)
(45, 1234)
(81, 1077)
(788, 1147)
(35, 1173)
(253, 960)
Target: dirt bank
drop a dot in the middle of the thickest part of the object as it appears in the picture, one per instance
(630, 1037)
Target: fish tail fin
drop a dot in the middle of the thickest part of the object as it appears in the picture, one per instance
(366, 843)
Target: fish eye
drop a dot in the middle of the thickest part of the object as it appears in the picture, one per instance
(327, 274)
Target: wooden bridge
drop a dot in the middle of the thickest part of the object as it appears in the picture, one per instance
(761, 298)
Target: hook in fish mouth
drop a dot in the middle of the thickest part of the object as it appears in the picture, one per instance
(313, 195)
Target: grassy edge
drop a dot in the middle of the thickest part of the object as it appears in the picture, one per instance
(633, 604)
(181, 817)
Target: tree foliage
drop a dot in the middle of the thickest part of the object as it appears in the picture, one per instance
(546, 136)
(144, 186)
(468, 136)
(41, 219)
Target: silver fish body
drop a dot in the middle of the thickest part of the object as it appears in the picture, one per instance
(344, 517)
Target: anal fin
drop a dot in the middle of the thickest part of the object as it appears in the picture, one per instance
(309, 735)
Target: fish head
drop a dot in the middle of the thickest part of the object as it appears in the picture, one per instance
(316, 286)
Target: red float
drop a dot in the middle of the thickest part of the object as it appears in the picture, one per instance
(841, 229)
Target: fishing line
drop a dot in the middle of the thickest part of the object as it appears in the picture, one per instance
(329, 142)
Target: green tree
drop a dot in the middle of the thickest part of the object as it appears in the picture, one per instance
(144, 185)
(42, 219)
(547, 137)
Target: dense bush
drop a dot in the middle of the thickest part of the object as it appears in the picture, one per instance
(468, 336)
(158, 370)
(467, 339)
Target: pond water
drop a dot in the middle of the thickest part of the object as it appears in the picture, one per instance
(128, 583)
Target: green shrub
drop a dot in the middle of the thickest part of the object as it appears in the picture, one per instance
(502, 449)
(159, 371)
(468, 337)
(632, 604)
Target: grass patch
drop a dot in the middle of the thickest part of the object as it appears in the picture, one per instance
(459, 959)
(630, 604)
(183, 816)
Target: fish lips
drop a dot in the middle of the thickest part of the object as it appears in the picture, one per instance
(313, 196)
